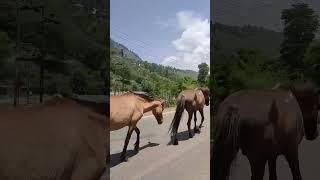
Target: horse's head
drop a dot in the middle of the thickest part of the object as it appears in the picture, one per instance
(206, 94)
(157, 111)
(308, 99)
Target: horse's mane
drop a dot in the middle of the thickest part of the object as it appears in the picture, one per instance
(57, 99)
(202, 89)
(142, 95)
(100, 107)
(296, 86)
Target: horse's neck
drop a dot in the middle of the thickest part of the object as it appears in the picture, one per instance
(148, 106)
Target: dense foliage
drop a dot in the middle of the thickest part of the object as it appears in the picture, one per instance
(300, 23)
(203, 74)
(130, 73)
(76, 47)
(254, 58)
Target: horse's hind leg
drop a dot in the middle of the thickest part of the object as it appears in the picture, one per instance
(202, 118)
(189, 123)
(136, 145)
(293, 161)
(123, 154)
(272, 163)
(257, 168)
(196, 130)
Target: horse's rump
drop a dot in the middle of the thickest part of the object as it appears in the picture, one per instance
(274, 120)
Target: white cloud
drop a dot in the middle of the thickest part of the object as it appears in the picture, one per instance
(164, 24)
(193, 46)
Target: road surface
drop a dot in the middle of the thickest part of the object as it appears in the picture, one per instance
(158, 160)
(309, 157)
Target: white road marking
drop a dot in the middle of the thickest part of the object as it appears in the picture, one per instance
(162, 114)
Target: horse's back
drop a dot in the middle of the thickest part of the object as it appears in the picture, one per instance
(254, 102)
(193, 98)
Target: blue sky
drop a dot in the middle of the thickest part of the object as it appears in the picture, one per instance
(169, 32)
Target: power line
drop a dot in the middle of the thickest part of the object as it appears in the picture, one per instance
(127, 39)
(120, 31)
(133, 45)
(144, 53)
(146, 48)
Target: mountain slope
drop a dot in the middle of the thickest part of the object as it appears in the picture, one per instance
(129, 73)
(115, 49)
(259, 12)
(229, 39)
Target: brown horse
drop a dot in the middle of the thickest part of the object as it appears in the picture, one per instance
(264, 124)
(191, 101)
(57, 140)
(128, 109)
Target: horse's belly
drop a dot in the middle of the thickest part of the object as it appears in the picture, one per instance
(260, 140)
(119, 122)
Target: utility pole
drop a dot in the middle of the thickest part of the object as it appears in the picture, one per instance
(42, 49)
(122, 53)
(44, 20)
(17, 78)
(42, 56)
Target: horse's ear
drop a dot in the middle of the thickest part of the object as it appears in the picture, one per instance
(163, 103)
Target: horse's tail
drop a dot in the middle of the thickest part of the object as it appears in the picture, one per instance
(225, 143)
(178, 114)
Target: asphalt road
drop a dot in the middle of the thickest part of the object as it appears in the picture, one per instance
(309, 157)
(157, 159)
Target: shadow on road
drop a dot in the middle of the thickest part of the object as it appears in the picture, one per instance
(115, 158)
(184, 135)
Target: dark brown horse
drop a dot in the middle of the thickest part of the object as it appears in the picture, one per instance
(191, 101)
(264, 124)
(60, 139)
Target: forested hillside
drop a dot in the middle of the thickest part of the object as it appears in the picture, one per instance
(76, 50)
(129, 72)
(229, 39)
(251, 57)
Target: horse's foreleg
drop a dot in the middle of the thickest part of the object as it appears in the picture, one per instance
(196, 130)
(189, 123)
(293, 161)
(272, 163)
(136, 145)
(257, 168)
(123, 154)
(202, 117)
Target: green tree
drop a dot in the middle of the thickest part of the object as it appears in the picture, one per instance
(203, 73)
(312, 62)
(301, 24)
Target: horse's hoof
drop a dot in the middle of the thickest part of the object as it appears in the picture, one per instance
(197, 130)
(190, 136)
(175, 142)
(136, 148)
(124, 159)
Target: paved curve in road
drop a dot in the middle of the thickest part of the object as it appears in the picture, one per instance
(156, 159)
